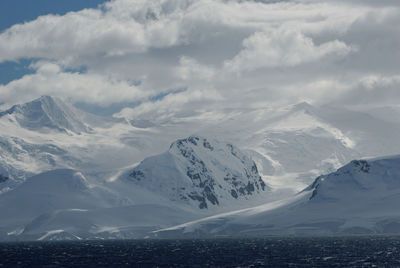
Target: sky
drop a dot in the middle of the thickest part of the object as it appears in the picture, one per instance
(164, 60)
(21, 11)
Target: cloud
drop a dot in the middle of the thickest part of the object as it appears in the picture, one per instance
(88, 32)
(188, 103)
(226, 53)
(134, 26)
(373, 91)
(50, 79)
(282, 48)
(190, 69)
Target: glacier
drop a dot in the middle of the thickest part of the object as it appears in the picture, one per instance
(68, 174)
(359, 198)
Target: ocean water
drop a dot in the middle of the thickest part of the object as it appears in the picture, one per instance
(268, 252)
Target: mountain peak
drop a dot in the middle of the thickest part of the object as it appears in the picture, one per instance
(303, 106)
(46, 98)
(46, 112)
(193, 140)
(359, 176)
(202, 172)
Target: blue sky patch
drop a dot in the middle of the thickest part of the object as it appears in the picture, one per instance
(20, 11)
(11, 70)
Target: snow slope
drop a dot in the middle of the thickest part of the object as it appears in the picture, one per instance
(63, 204)
(46, 112)
(359, 198)
(49, 191)
(294, 144)
(135, 221)
(290, 145)
(194, 179)
(199, 172)
(197, 177)
(47, 134)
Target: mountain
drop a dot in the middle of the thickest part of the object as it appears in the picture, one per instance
(35, 136)
(46, 113)
(201, 172)
(300, 140)
(129, 187)
(293, 144)
(3, 178)
(64, 204)
(290, 145)
(195, 178)
(21, 158)
(46, 192)
(134, 221)
(372, 136)
(359, 198)
(47, 134)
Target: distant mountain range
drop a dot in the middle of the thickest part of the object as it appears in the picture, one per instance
(195, 174)
(359, 198)
(68, 174)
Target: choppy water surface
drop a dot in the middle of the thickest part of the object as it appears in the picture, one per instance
(270, 252)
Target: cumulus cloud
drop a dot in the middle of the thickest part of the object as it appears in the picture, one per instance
(50, 79)
(282, 48)
(189, 69)
(86, 33)
(226, 53)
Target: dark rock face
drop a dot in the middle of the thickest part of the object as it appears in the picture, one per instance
(346, 174)
(205, 171)
(315, 192)
(3, 178)
(198, 172)
(137, 175)
(203, 179)
(363, 165)
(201, 199)
(234, 194)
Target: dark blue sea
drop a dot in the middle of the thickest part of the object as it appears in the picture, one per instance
(268, 252)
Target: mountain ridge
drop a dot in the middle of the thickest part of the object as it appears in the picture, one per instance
(46, 112)
(200, 170)
(359, 198)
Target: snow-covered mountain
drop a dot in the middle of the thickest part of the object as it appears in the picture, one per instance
(201, 172)
(129, 187)
(290, 145)
(64, 204)
(293, 144)
(359, 198)
(49, 191)
(194, 179)
(47, 134)
(46, 113)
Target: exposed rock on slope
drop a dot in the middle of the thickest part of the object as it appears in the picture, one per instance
(201, 172)
(359, 198)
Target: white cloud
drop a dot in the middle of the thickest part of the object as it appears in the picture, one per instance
(183, 104)
(373, 90)
(284, 51)
(85, 33)
(282, 48)
(190, 69)
(134, 26)
(49, 79)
